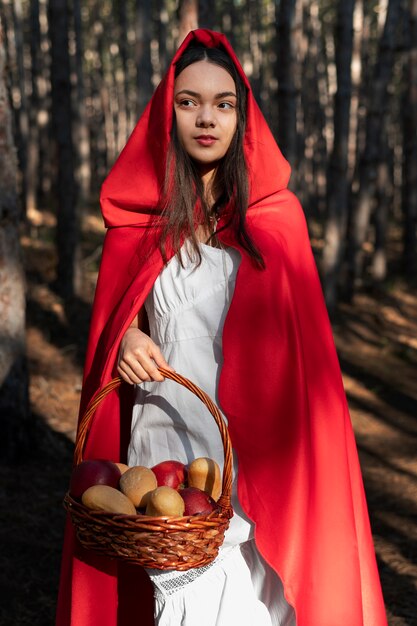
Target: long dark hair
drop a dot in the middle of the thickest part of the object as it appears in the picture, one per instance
(184, 189)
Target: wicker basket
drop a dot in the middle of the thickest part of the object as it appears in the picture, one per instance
(164, 543)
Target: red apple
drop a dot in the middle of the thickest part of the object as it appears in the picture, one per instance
(170, 474)
(93, 472)
(197, 502)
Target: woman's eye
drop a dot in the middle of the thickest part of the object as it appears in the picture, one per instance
(186, 103)
(226, 105)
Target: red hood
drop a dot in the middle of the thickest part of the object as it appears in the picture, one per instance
(130, 193)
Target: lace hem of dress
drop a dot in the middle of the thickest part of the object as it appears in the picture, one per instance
(170, 582)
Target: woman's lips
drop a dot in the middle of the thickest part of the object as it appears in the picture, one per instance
(206, 140)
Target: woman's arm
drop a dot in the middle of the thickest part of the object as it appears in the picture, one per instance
(139, 356)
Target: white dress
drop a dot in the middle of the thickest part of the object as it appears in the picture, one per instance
(186, 309)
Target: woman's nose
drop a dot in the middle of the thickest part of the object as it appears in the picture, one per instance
(205, 118)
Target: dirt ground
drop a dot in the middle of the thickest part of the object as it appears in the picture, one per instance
(377, 344)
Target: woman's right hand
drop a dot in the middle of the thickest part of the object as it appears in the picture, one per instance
(139, 357)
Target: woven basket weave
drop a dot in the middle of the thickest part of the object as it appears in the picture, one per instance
(164, 543)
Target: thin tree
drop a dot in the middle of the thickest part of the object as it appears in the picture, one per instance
(33, 136)
(255, 47)
(383, 200)
(67, 235)
(314, 120)
(162, 20)
(207, 14)
(82, 130)
(368, 166)
(46, 163)
(18, 23)
(143, 54)
(287, 92)
(102, 127)
(122, 75)
(14, 399)
(188, 18)
(231, 21)
(410, 150)
(337, 179)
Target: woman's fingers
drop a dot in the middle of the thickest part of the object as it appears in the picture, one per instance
(142, 363)
(127, 375)
(133, 372)
(139, 358)
(158, 357)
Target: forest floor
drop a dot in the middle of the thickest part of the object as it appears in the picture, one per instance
(376, 339)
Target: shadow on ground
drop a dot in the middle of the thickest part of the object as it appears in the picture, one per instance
(32, 529)
(377, 340)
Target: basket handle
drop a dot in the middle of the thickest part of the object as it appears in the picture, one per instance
(225, 498)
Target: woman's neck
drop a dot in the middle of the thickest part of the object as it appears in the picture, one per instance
(205, 232)
(210, 188)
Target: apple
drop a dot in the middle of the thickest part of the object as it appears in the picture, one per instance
(93, 472)
(170, 474)
(197, 502)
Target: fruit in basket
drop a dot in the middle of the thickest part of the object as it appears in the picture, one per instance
(165, 501)
(197, 502)
(170, 474)
(137, 483)
(93, 472)
(105, 498)
(204, 473)
(122, 467)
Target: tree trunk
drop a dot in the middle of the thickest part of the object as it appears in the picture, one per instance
(68, 276)
(33, 139)
(360, 40)
(14, 399)
(337, 181)
(231, 22)
(162, 19)
(143, 54)
(121, 81)
(255, 49)
(409, 200)
(378, 102)
(207, 14)
(287, 93)
(46, 165)
(314, 119)
(188, 18)
(82, 131)
(23, 121)
(384, 198)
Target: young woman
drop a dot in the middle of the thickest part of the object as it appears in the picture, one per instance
(207, 269)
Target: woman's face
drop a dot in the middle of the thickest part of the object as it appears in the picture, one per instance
(205, 110)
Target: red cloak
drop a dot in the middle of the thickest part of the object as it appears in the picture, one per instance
(280, 387)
